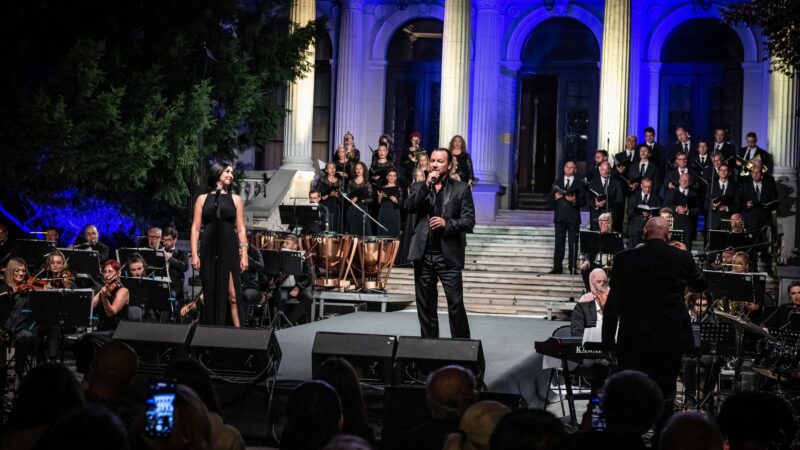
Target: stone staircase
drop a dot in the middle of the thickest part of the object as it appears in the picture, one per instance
(530, 201)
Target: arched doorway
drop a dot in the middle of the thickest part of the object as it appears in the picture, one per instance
(701, 80)
(413, 82)
(559, 83)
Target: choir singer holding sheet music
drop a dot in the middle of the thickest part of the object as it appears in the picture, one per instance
(566, 198)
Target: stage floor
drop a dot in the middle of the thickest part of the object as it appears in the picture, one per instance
(507, 343)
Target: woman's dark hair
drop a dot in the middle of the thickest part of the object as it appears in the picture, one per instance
(47, 392)
(313, 412)
(215, 171)
(341, 375)
(191, 373)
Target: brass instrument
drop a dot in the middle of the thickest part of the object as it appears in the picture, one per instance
(748, 166)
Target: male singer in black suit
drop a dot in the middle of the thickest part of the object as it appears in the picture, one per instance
(751, 151)
(658, 153)
(600, 156)
(701, 160)
(758, 200)
(644, 168)
(629, 157)
(604, 194)
(637, 216)
(684, 144)
(445, 213)
(723, 201)
(673, 175)
(177, 262)
(721, 144)
(646, 300)
(566, 199)
(686, 204)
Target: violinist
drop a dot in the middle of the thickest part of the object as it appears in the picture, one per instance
(136, 266)
(56, 271)
(17, 328)
(109, 305)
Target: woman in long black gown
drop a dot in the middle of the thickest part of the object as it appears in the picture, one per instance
(463, 162)
(329, 187)
(360, 191)
(390, 198)
(219, 249)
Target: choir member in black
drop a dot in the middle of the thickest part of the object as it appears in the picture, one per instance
(411, 221)
(786, 317)
(344, 168)
(644, 168)
(17, 328)
(295, 291)
(360, 192)
(758, 200)
(681, 167)
(721, 144)
(353, 155)
(222, 255)
(723, 201)
(177, 263)
(92, 242)
(390, 199)
(686, 204)
(328, 187)
(603, 195)
(700, 161)
(627, 158)
(566, 198)
(109, 305)
(410, 159)
(463, 162)
(638, 216)
(752, 150)
(381, 166)
(56, 271)
(684, 144)
(423, 163)
(599, 157)
(658, 153)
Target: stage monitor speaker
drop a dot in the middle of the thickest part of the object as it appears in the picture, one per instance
(237, 353)
(370, 354)
(416, 357)
(157, 344)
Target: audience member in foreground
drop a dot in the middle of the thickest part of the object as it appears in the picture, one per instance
(342, 377)
(347, 442)
(191, 429)
(90, 427)
(109, 380)
(313, 417)
(477, 424)
(757, 420)
(690, 431)
(190, 373)
(529, 429)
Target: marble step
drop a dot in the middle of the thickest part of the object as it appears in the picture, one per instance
(503, 289)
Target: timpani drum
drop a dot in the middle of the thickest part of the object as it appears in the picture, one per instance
(374, 256)
(332, 254)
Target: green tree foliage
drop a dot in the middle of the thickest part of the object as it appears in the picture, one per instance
(128, 100)
(779, 21)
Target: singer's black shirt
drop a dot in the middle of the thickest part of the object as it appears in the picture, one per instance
(435, 236)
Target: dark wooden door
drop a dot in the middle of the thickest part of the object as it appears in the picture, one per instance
(537, 133)
(412, 103)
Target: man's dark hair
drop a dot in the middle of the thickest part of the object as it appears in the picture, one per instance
(529, 429)
(313, 413)
(313, 191)
(341, 375)
(793, 284)
(442, 149)
(602, 152)
(90, 427)
(752, 134)
(170, 231)
(650, 130)
(631, 403)
(450, 391)
(757, 417)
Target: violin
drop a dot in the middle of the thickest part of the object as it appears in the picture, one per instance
(32, 284)
(63, 280)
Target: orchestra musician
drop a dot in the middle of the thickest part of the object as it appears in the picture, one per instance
(752, 153)
(294, 295)
(737, 223)
(154, 238)
(328, 188)
(353, 155)
(53, 234)
(254, 279)
(390, 201)
(759, 197)
(723, 199)
(685, 204)
(360, 191)
(638, 216)
(321, 222)
(135, 266)
(57, 271)
(445, 213)
(17, 330)
(177, 263)
(786, 317)
(721, 145)
(592, 260)
(588, 315)
(92, 242)
(566, 198)
(740, 263)
(462, 162)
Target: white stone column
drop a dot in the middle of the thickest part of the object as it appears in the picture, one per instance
(300, 101)
(454, 115)
(484, 140)
(654, 72)
(614, 74)
(348, 76)
(782, 143)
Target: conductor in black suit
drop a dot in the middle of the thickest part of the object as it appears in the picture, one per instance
(566, 215)
(758, 200)
(646, 300)
(445, 213)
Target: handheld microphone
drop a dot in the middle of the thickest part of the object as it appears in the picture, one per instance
(434, 180)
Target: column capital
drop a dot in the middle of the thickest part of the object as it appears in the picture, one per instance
(353, 4)
(489, 4)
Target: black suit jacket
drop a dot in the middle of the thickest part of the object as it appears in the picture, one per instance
(673, 176)
(103, 251)
(613, 192)
(564, 211)
(766, 160)
(459, 215)
(732, 201)
(758, 215)
(635, 218)
(696, 165)
(623, 156)
(678, 147)
(653, 172)
(646, 299)
(727, 150)
(584, 315)
(178, 265)
(658, 154)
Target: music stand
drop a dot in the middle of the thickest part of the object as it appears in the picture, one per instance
(83, 262)
(717, 339)
(34, 251)
(733, 286)
(151, 294)
(61, 308)
(153, 259)
(281, 264)
(302, 216)
(590, 242)
(722, 239)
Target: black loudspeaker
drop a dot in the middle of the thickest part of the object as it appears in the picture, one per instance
(416, 357)
(157, 344)
(370, 354)
(237, 353)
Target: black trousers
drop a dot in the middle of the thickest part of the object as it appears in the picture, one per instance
(428, 271)
(663, 368)
(565, 232)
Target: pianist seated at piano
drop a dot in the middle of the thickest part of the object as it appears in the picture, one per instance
(786, 317)
(588, 312)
